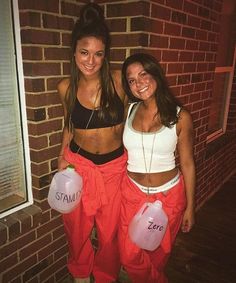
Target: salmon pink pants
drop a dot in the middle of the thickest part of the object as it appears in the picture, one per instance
(99, 207)
(141, 265)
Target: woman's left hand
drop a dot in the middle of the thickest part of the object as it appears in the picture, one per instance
(188, 220)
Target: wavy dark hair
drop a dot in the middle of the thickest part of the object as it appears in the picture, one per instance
(91, 22)
(166, 102)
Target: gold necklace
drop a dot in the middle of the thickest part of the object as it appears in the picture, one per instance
(148, 170)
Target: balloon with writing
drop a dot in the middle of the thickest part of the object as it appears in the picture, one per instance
(65, 190)
(148, 226)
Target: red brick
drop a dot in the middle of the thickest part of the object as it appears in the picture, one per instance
(48, 6)
(172, 29)
(42, 69)
(40, 169)
(170, 56)
(190, 8)
(49, 226)
(199, 56)
(61, 273)
(34, 247)
(55, 139)
(188, 32)
(146, 24)
(183, 79)
(51, 83)
(36, 114)
(3, 233)
(117, 54)
(45, 99)
(192, 45)
(36, 269)
(13, 226)
(185, 56)
(201, 34)
(55, 22)
(38, 142)
(160, 12)
(57, 53)
(116, 25)
(65, 69)
(62, 251)
(202, 67)
(32, 53)
(179, 17)
(57, 265)
(45, 154)
(126, 40)
(194, 22)
(30, 19)
(24, 220)
(174, 4)
(128, 9)
(70, 9)
(14, 271)
(177, 43)
(187, 89)
(66, 39)
(55, 112)
(175, 68)
(30, 36)
(34, 85)
(159, 41)
(58, 232)
(52, 248)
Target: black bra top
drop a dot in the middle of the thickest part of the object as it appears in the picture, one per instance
(81, 115)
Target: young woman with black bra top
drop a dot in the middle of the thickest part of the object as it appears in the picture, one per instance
(94, 103)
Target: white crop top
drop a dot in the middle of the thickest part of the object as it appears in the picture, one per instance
(163, 158)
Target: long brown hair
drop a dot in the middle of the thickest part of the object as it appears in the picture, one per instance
(166, 102)
(92, 23)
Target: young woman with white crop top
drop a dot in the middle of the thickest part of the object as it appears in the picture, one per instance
(93, 102)
(157, 127)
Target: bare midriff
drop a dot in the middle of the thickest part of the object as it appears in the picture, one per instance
(153, 179)
(99, 141)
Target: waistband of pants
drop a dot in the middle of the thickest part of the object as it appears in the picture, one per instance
(98, 159)
(162, 188)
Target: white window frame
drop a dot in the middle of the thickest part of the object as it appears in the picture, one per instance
(21, 90)
(230, 71)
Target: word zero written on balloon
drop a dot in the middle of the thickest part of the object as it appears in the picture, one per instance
(153, 226)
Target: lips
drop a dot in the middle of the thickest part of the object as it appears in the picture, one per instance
(143, 89)
(89, 67)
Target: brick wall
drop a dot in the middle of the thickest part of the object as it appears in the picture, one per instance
(182, 34)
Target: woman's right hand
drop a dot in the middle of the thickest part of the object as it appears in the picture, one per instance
(62, 163)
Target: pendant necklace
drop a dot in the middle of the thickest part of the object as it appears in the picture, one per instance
(148, 170)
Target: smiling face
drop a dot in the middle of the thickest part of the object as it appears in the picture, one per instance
(89, 55)
(141, 83)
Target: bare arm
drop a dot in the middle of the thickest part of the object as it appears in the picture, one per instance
(66, 135)
(118, 85)
(185, 149)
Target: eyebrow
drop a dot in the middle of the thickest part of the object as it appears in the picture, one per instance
(88, 50)
(128, 74)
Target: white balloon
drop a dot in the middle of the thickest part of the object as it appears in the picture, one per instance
(65, 190)
(148, 226)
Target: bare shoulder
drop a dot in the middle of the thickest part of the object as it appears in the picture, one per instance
(62, 87)
(116, 76)
(184, 114)
(185, 120)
